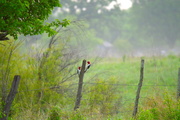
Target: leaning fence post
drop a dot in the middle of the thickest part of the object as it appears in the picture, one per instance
(178, 86)
(10, 97)
(139, 89)
(79, 92)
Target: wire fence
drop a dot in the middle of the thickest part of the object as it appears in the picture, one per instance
(124, 85)
(121, 105)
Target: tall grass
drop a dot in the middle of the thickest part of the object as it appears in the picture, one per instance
(108, 92)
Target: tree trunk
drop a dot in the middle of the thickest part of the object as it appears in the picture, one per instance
(79, 92)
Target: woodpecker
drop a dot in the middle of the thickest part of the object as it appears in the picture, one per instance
(88, 65)
(78, 70)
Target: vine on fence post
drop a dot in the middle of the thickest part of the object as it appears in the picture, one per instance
(139, 88)
(178, 86)
(79, 92)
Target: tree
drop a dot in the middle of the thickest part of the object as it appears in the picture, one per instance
(27, 17)
(158, 19)
(107, 23)
(85, 9)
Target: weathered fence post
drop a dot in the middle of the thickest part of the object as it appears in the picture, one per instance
(139, 89)
(79, 91)
(10, 97)
(178, 86)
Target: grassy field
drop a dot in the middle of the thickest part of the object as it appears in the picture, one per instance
(157, 71)
(109, 88)
(160, 80)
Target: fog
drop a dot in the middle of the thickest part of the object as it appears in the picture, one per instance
(118, 28)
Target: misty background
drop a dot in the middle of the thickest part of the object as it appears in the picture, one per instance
(107, 28)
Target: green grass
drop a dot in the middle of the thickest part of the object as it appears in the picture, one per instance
(157, 71)
(108, 93)
(160, 77)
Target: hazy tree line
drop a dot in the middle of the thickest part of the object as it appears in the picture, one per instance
(151, 24)
(147, 25)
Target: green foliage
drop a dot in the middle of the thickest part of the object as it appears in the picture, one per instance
(27, 17)
(77, 116)
(103, 98)
(1, 114)
(148, 24)
(151, 114)
(107, 24)
(8, 63)
(167, 109)
(55, 114)
(33, 91)
(157, 20)
(124, 46)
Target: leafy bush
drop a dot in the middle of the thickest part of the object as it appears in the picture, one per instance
(103, 97)
(161, 109)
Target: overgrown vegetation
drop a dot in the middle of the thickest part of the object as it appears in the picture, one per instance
(47, 66)
(160, 108)
(108, 92)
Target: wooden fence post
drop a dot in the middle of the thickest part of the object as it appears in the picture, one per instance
(10, 97)
(139, 89)
(178, 86)
(79, 91)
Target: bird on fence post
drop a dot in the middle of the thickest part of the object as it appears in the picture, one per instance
(88, 65)
(78, 70)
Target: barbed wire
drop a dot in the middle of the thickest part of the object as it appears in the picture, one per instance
(55, 87)
(127, 84)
